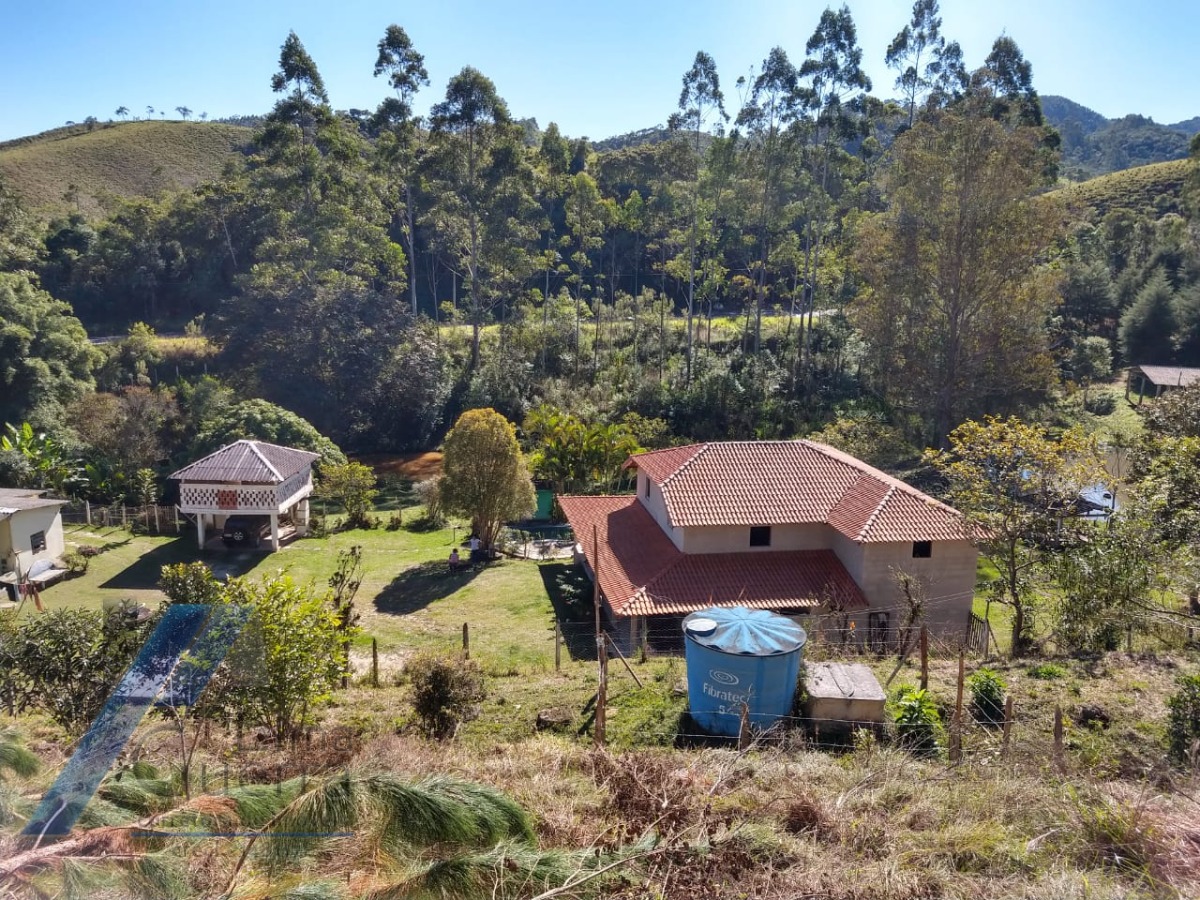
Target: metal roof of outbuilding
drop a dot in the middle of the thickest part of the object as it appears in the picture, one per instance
(248, 462)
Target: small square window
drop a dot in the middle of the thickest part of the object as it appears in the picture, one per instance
(37, 541)
(760, 536)
(922, 549)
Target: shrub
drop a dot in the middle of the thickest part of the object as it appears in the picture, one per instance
(446, 692)
(987, 696)
(395, 521)
(918, 725)
(77, 563)
(189, 583)
(1047, 672)
(1183, 718)
(1101, 404)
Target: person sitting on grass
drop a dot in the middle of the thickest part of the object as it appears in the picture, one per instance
(454, 560)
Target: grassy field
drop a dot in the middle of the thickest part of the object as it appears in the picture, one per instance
(127, 159)
(1145, 188)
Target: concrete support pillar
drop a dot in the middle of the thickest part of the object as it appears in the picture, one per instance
(275, 531)
(200, 529)
(303, 513)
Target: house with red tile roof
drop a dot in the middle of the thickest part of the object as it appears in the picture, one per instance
(792, 526)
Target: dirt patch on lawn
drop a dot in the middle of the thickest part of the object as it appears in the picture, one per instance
(409, 466)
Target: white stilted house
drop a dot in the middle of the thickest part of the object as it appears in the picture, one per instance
(248, 478)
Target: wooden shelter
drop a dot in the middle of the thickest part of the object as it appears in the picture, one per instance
(249, 478)
(1153, 380)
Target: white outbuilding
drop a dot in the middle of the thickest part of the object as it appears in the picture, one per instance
(248, 478)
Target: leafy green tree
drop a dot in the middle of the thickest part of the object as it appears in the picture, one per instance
(190, 583)
(1175, 414)
(771, 105)
(304, 103)
(1088, 296)
(1091, 361)
(483, 185)
(700, 97)
(1170, 484)
(917, 54)
(1008, 77)
(45, 358)
(957, 296)
(352, 487)
(405, 71)
(1147, 326)
(1187, 319)
(835, 92)
(262, 421)
(66, 662)
(20, 248)
(289, 655)
(47, 463)
(1017, 487)
(1110, 583)
(345, 581)
(584, 214)
(484, 475)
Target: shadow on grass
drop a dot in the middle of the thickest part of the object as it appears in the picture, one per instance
(144, 573)
(570, 593)
(415, 588)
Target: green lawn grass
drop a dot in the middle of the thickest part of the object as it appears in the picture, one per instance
(408, 599)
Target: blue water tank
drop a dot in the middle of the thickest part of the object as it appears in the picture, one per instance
(736, 656)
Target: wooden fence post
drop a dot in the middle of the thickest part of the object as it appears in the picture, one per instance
(924, 658)
(1059, 762)
(956, 732)
(557, 646)
(1008, 720)
(601, 693)
(87, 512)
(466, 641)
(124, 517)
(374, 663)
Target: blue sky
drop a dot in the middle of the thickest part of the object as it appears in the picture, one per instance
(597, 69)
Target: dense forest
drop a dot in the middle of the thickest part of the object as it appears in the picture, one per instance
(790, 256)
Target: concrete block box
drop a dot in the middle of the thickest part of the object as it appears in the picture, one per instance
(843, 697)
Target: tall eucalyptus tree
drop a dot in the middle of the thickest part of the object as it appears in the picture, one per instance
(399, 146)
(701, 97)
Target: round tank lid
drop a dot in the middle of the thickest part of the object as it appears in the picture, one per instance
(701, 625)
(750, 632)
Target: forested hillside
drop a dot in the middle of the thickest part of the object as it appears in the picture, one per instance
(773, 268)
(1094, 145)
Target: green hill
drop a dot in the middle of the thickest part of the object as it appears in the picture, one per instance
(125, 159)
(1155, 188)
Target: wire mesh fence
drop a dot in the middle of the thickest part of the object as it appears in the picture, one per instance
(145, 519)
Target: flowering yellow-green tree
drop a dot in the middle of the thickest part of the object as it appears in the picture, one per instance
(484, 475)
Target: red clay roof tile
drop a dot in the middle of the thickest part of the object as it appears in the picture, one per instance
(793, 482)
(642, 573)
